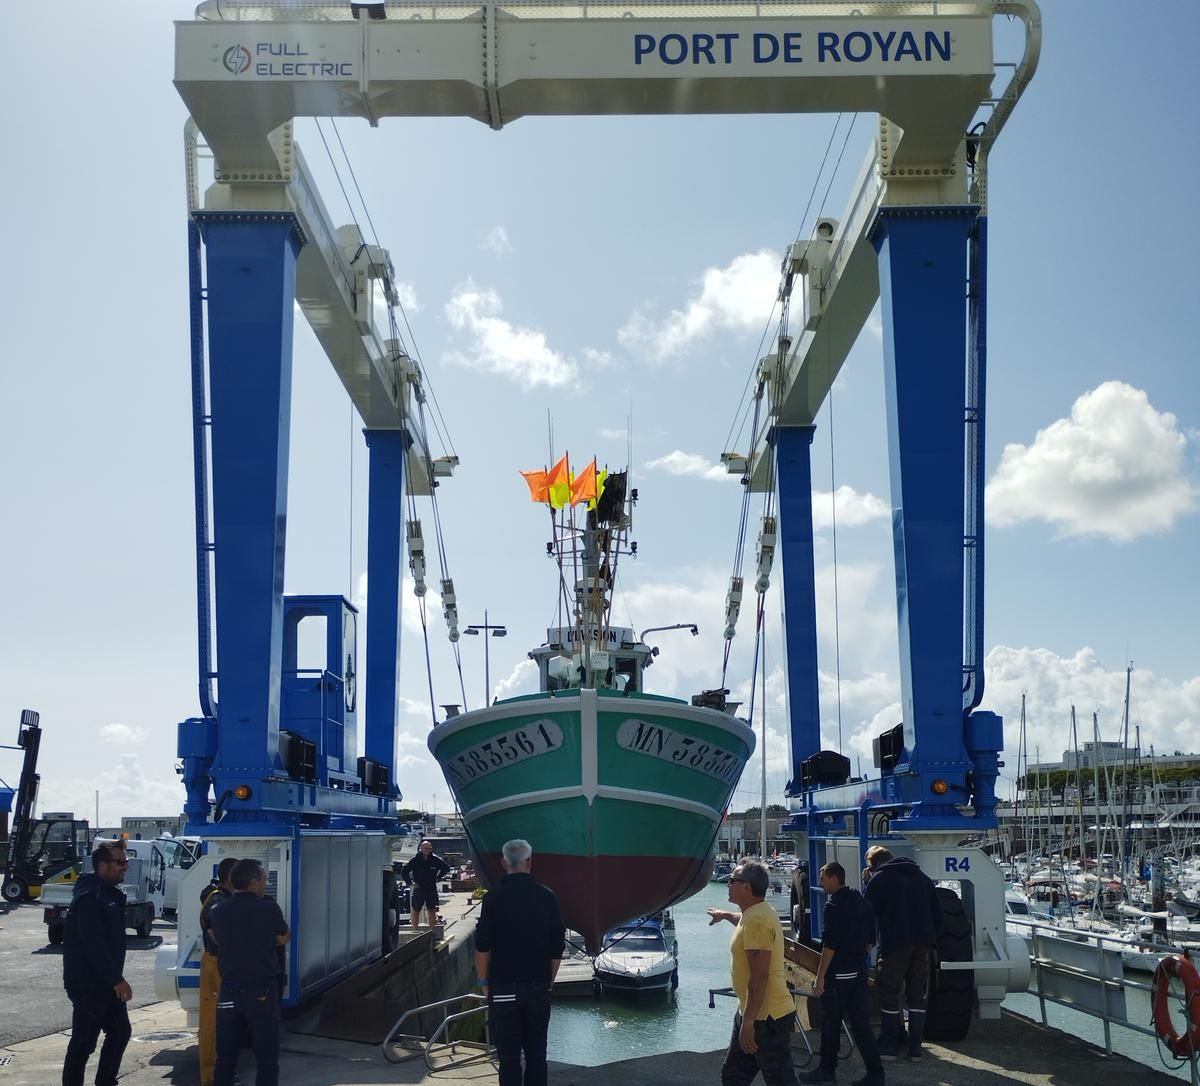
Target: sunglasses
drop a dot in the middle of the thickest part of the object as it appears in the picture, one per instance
(740, 880)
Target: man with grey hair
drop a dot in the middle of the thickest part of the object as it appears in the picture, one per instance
(766, 1014)
(518, 949)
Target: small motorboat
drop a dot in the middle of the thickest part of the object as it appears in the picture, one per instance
(638, 958)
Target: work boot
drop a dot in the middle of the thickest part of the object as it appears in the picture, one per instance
(871, 1078)
(916, 1034)
(890, 1026)
(820, 1074)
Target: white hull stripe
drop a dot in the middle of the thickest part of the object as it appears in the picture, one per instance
(604, 791)
(632, 707)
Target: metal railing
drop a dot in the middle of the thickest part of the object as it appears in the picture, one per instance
(844, 1050)
(434, 1046)
(1085, 972)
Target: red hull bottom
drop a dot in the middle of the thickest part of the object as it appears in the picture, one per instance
(596, 893)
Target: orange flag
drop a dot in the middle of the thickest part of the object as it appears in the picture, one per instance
(558, 483)
(583, 486)
(539, 488)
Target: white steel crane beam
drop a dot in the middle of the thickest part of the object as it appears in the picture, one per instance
(337, 276)
(244, 69)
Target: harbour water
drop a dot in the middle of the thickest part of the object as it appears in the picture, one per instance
(590, 1032)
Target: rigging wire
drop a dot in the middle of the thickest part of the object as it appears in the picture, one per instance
(738, 414)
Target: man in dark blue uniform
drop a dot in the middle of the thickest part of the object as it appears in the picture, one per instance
(246, 930)
(93, 963)
(422, 873)
(518, 949)
(847, 932)
(905, 902)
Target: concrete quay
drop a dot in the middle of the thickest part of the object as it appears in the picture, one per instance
(1009, 1051)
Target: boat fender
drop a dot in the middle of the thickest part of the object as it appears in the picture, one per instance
(1175, 965)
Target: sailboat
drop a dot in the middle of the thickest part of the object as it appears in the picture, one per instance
(620, 792)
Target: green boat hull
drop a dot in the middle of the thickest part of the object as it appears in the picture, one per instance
(620, 795)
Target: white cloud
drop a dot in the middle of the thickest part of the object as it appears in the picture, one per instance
(519, 354)
(853, 509)
(496, 241)
(678, 462)
(120, 733)
(124, 787)
(738, 296)
(1168, 711)
(610, 434)
(523, 679)
(1115, 469)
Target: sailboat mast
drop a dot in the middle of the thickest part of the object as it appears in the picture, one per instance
(1096, 800)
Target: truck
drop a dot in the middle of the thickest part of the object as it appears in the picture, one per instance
(142, 886)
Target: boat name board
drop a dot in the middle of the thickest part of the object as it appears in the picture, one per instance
(643, 737)
(519, 745)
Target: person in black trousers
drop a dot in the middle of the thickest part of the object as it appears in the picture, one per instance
(847, 933)
(93, 961)
(422, 873)
(246, 930)
(518, 949)
(905, 903)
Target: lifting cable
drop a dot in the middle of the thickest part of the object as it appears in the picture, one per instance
(422, 387)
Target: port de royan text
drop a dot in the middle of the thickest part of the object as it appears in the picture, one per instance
(823, 47)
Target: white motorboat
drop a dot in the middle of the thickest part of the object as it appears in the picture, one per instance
(636, 958)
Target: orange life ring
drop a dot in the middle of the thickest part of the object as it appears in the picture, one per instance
(1175, 965)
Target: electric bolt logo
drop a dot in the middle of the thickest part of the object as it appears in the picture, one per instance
(236, 59)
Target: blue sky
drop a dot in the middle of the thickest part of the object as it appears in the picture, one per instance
(599, 268)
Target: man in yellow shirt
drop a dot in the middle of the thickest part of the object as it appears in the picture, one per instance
(766, 1014)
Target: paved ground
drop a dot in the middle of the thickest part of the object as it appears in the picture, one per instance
(1011, 1051)
(34, 1002)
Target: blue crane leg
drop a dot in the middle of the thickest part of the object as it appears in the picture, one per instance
(385, 554)
(251, 259)
(922, 280)
(793, 466)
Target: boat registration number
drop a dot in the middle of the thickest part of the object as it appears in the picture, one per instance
(686, 750)
(518, 745)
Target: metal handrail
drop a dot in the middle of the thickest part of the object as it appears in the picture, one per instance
(483, 1049)
(792, 991)
(395, 1038)
(1097, 979)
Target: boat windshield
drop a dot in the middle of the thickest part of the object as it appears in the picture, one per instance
(634, 940)
(1021, 908)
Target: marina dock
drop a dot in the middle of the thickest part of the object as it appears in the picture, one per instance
(1009, 1051)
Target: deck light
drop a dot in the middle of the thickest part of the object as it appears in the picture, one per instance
(939, 788)
(242, 791)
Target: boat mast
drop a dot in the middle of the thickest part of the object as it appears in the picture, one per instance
(1096, 801)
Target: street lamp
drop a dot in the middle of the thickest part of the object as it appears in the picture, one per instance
(486, 628)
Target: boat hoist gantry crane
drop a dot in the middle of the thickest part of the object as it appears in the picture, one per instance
(270, 768)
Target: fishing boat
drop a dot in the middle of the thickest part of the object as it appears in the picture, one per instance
(638, 959)
(620, 792)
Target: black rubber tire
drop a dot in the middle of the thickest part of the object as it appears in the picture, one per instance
(55, 933)
(15, 890)
(675, 978)
(952, 993)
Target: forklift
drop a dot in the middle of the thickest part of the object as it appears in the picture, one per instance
(38, 849)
